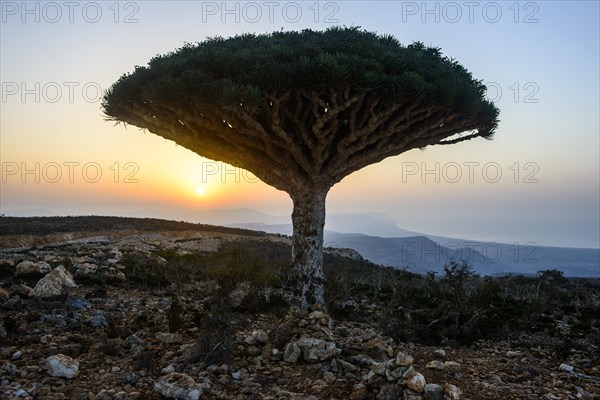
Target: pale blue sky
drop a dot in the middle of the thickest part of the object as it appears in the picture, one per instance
(548, 51)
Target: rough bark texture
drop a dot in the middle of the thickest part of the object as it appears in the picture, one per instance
(308, 219)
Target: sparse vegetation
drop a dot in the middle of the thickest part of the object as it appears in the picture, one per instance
(203, 305)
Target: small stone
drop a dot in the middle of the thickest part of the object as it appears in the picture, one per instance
(130, 377)
(61, 366)
(19, 290)
(360, 392)
(417, 383)
(316, 350)
(452, 392)
(16, 355)
(88, 272)
(409, 372)
(43, 391)
(496, 379)
(378, 349)
(437, 365)
(266, 352)
(329, 377)
(452, 367)
(388, 392)
(236, 375)
(412, 395)
(393, 374)
(381, 368)
(403, 360)
(167, 370)
(98, 320)
(291, 353)
(433, 392)
(253, 351)
(134, 340)
(440, 353)
(373, 379)
(566, 368)
(169, 338)
(260, 336)
(77, 304)
(29, 267)
(178, 386)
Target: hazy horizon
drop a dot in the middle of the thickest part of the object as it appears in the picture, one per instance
(378, 224)
(528, 184)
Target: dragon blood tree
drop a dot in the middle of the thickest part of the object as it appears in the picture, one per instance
(302, 110)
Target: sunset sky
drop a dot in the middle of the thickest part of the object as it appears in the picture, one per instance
(537, 181)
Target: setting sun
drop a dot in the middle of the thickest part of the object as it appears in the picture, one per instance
(200, 191)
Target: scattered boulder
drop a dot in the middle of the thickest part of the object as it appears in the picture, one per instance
(56, 283)
(566, 368)
(77, 304)
(32, 268)
(292, 353)
(417, 383)
(92, 273)
(97, 320)
(452, 367)
(440, 354)
(433, 392)
(378, 349)
(317, 350)
(260, 337)
(169, 338)
(437, 365)
(176, 385)
(452, 392)
(20, 290)
(388, 392)
(359, 392)
(61, 366)
(403, 359)
(329, 377)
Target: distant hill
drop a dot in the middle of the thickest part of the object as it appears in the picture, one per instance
(421, 254)
(49, 225)
(417, 252)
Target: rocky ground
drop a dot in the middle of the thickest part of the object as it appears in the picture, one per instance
(75, 325)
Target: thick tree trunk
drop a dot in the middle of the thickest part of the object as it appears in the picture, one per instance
(308, 219)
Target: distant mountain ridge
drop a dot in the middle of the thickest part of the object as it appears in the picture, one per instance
(421, 252)
(403, 248)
